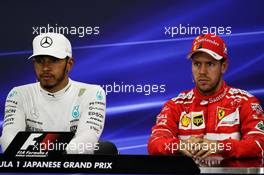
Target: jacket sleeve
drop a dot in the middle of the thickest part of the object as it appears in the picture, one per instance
(90, 125)
(252, 131)
(14, 119)
(163, 139)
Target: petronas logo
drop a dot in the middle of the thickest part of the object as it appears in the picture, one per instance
(12, 94)
(99, 95)
(75, 111)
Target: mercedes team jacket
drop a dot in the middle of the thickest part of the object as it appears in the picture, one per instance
(78, 108)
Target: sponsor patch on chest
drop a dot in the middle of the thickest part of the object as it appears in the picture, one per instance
(227, 117)
(192, 120)
(260, 126)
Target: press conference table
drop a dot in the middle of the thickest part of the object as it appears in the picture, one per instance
(218, 165)
(129, 164)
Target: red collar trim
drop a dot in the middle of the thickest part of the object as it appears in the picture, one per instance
(214, 97)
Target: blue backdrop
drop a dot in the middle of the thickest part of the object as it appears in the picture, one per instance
(143, 44)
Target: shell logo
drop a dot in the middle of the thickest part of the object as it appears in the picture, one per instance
(185, 121)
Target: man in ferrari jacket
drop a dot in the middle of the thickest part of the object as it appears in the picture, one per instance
(212, 118)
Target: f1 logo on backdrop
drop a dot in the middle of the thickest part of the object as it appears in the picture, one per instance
(31, 141)
(39, 144)
(36, 143)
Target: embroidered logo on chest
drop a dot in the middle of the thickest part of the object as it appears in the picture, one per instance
(220, 113)
(76, 111)
(192, 120)
(198, 120)
(185, 121)
(228, 117)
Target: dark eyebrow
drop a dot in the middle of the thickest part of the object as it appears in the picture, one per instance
(195, 61)
(213, 61)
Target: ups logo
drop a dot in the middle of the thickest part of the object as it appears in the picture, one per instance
(198, 120)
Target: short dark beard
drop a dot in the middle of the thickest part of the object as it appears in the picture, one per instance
(212, 90)
(60, 79)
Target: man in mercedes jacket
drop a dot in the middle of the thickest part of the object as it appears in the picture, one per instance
(212, 118)
(55, 102)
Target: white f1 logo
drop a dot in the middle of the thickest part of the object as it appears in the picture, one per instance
(30, 140)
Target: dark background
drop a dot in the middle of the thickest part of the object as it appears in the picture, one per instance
(132, 48)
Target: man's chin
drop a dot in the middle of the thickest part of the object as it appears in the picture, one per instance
(205, 89)
(46, 85)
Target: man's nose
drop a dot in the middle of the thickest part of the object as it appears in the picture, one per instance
(203, 69)
(46, 65)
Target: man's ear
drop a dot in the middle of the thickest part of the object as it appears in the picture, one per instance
(224, 66)
(70, 63)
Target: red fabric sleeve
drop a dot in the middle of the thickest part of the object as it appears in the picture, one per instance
(252, 131)
(163, 139)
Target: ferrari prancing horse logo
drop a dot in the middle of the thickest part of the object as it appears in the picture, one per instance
(220, 113)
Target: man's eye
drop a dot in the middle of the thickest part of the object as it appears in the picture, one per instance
(54, 60)
(38, 60)
(210, 64)
(196, 64)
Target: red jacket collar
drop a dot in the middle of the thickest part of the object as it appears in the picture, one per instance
(211, 98)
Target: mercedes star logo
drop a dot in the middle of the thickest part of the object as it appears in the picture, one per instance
(46, 42)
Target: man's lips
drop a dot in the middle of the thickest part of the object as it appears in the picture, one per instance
(46, 76)
(203, 81)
